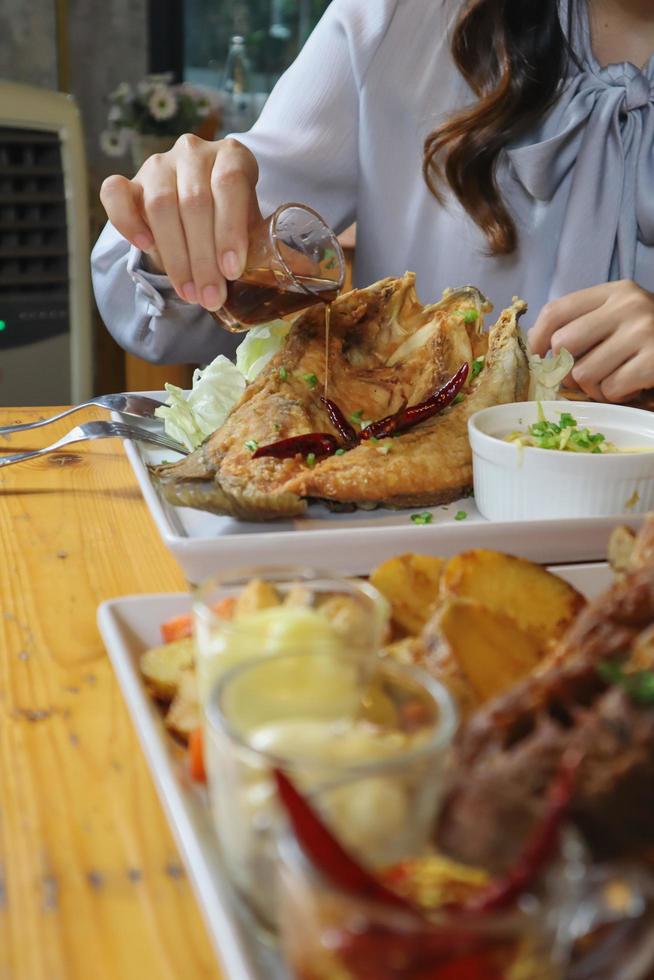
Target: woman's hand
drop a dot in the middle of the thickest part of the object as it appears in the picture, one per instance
(609, 329)
(191, 210)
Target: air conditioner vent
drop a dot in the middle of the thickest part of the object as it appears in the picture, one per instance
(33, 240)
(34, 280)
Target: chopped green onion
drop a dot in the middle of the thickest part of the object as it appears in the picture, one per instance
(460, 515)
(356, 416)
(564, 436)
(374, 440)
(283, 373)
(340, 452)
(639, 685)
(477, 367)
(310, 379)
(424, 518)
(468, 316)
(311, 459)
(385, 449)
(252, 445)
(459, 398)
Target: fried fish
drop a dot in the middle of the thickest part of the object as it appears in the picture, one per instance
(385, 350)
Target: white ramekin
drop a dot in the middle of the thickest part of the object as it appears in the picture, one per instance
(523, 483)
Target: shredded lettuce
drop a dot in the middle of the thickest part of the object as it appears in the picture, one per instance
(218, 387)
(215, 391)
(259, 347)
(546, 374)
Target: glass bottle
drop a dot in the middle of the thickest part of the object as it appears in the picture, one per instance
(238, 114)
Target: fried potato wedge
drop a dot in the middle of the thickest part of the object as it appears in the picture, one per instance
(536, 600)
(410, 583)
(479, 652)
(256, 595)
(184, 714)
(410, 651)
(163, 666)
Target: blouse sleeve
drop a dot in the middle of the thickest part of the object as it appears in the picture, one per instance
(306, 145)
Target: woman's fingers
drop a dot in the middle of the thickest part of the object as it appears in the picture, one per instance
(206, 284)
(627, 382)
(161, 207)
(233, 181)
(590, 371)
(191, 209)
(121, 199)
(636, 372)
(562, 313)
(610, 331)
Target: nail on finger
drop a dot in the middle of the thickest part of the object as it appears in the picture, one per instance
(190, 292)
(231, 265)
(212, 297)
(144, 242)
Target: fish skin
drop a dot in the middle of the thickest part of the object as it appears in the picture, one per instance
(385, 349)
(409, 476)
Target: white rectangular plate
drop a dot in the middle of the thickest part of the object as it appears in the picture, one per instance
(206, 544)
(131, 625)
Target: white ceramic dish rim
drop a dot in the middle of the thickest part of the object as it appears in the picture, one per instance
(496, 444)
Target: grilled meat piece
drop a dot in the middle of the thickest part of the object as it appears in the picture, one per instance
(385, 350)
(507, 755)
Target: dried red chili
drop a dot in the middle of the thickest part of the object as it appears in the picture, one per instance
(438, 401)
(339, 421)
(384, 427)
(318, 443)
(343, 870)
(405, 418)
(327, 854)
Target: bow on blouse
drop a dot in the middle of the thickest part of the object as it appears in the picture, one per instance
(596, 149)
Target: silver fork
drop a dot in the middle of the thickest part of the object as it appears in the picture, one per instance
(98, 430)
(138, 406)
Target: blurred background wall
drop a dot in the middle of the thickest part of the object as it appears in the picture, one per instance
(89, 47)
(86, 47)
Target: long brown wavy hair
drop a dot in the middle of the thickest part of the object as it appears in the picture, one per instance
(513, 54)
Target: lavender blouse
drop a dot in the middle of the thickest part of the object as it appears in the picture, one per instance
(343, 131)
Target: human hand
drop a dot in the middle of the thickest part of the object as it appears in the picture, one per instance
(190, 210)
(609, 330)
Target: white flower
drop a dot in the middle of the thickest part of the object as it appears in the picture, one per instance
(121, 93)
(115, 114)
(113, 142)
(202, 106)
(162, 103)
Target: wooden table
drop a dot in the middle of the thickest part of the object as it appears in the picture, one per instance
(91, 883)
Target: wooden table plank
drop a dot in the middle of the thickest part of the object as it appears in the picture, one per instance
(91, 883)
